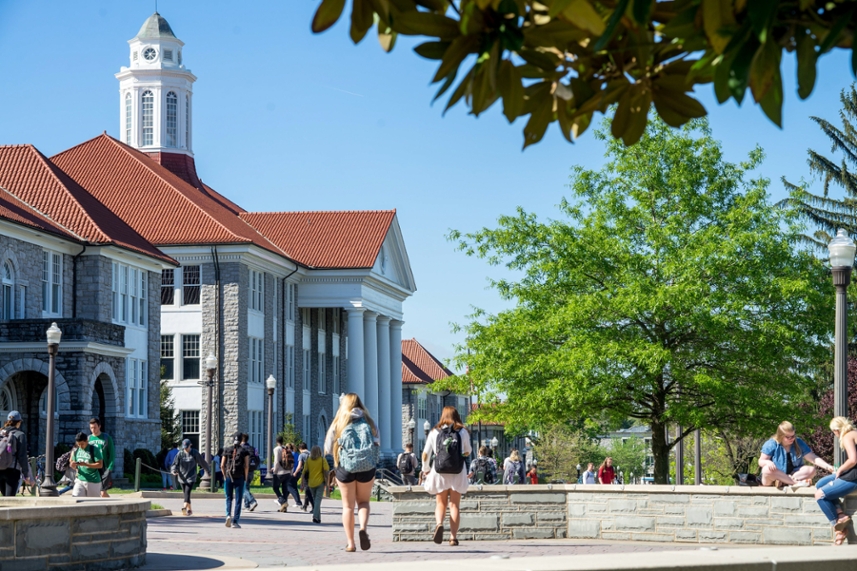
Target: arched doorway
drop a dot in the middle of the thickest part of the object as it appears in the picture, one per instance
(23, 390)
(98, 406)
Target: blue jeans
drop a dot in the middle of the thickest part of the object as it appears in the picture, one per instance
(249, 500)
(233, 488)
(834, 488)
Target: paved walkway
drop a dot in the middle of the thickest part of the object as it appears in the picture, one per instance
(271, 539)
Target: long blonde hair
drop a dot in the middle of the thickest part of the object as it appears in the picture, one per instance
(514, 456)
(343, 418)
(843, 425)
(787, 427)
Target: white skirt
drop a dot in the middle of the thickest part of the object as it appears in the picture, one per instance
(436, 483)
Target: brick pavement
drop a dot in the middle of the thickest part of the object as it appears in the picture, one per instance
(271, 539)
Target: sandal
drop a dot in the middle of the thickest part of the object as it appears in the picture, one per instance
(842, 522)
(438, 534)
(350, 549)
(364, 540)
(840, 537)
(453, 542)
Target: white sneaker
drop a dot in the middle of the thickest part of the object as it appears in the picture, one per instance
(229, 521)
(800, 484)
(236, 526)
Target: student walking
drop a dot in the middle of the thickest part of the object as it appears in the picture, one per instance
(279, 470)
(449, 441)
(235, 465)
(514, 472)
(606, 472)
(407, 463)
(166, 477)
(185, 468)
(218, 473)
(104, 443)
(843, 481)
(87, 461)
(589, 475)
(291, 481)
(250, 502)
(353, 441)
(315, 474)
(303, 456)
(13, 455)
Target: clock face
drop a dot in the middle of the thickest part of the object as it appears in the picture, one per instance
(150, 54)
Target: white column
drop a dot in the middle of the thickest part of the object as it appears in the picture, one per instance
(385, 403)
(370, 362)
(354, 365)
(396, 384)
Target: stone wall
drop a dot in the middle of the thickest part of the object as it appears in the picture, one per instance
(71, 533)
(686, 514)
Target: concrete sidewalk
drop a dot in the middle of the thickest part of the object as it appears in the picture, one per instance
(271, 539)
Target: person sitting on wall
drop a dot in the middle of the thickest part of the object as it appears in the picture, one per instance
(782, 459)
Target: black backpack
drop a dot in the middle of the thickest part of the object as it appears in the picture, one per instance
(405, 463)
(482, 472)
(235, 463)
(450, 458)
(255, 462)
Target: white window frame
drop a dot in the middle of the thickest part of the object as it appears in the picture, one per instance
(52, 285)
(128, 117)
(7, 310)
(257, 360)
(186, 284)
(197, 356)
(168, 345)
(290, 366)
(307, 369)
(337, 389)
(257, 290)
(322, 374)
(148, 116)
(172, 114)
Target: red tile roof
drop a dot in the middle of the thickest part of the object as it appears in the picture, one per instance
(28, 175)
(12, 209)
(326, 240)
(160, 205)
(419, 366)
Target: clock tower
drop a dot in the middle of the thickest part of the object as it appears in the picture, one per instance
(156, 98)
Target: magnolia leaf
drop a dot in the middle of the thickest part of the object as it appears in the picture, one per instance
(483, 95)
(386, 37)
(761, 14)
(483, 4)
(382, 9)
(557, 7)
(716, 15)
(432, 50)
(583, 15)
(739, 70)
(766, 63)
(426, 24)
(556, 33)
(641, 11)
(631, 116)
(564, 119)
(667, 113)
(510, 87)
(436, 5)
(327, 14)
(539, 59)
(459, 91)
(362, 18)
(836, 30)
(617, 14)
(806, 60)
(772, 102)
(455, 54)
(446, 85)
(580, 124)
(540, 117)
(679, 102)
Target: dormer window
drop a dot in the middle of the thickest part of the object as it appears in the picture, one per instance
(180, 57)
(168, 55)
(134, 56)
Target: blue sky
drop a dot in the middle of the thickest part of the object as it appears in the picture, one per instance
(288, 120)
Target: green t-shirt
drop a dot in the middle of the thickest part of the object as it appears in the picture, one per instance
(85, 474)
(104, 443)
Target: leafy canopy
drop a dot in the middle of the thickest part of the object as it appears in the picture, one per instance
(565, 60)
(669, 291)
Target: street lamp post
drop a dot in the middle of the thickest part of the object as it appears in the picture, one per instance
(578, 473)
(494, 444)
(426, 428)
(207, 480)
(49, 487)
(271, 385)
(842, 250)
(412, 425)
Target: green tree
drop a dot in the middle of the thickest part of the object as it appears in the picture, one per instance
(290, 432)
(825, 213)
(171, 430)
(566, 60)
(670, 291)
(560, 448)
(628, 456)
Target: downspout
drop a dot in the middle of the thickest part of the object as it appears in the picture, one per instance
(74, 282)
(217, 344)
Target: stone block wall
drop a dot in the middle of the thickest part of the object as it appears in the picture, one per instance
(681, 514)
(70, 533)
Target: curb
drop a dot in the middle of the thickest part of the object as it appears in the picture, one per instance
(158, 513)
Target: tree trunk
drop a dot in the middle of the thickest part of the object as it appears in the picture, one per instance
(661, 453)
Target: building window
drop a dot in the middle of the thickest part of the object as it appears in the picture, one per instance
(168, 357)
(7, 401)
(257, 287)
(291, 295)
(128, 116)
(190, 285)
(257, 360)
(307, 429)
(168, 55)
(305, 316)
(322, 374)
(336, 388)
(307, 370)
(7, 309)
(136, 381)
(168, 287)
(422, 409)
(190, 426)
(22, 302)
(141, 292)
(186, 117)
(172, 116)
(290, 366)
(133, 292)
(337, 317)
(180, 57)
(134, 57)
(51, 283)
(256, 430)
(148, 118)
(190, 357)
(321, 321)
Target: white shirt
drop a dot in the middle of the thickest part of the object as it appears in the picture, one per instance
(431, 444)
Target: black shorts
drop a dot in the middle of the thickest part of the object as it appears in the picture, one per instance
(346, 477)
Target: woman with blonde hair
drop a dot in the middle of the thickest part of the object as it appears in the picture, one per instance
(842, 482)
(514, 473)
(352, 440)
(449, 443)
(782, 459)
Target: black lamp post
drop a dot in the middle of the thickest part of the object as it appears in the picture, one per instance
(49, 486)
(842, 250)
(494, 444)
(271, 386)
(578, 473)
(207, 481)
(412, 424)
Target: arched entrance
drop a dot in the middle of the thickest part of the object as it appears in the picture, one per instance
(98, 404)
(24, 391)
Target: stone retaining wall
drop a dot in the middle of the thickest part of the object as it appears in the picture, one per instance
(686, 514)
(72, 534)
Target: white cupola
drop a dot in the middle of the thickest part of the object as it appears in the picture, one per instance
(155, 92)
